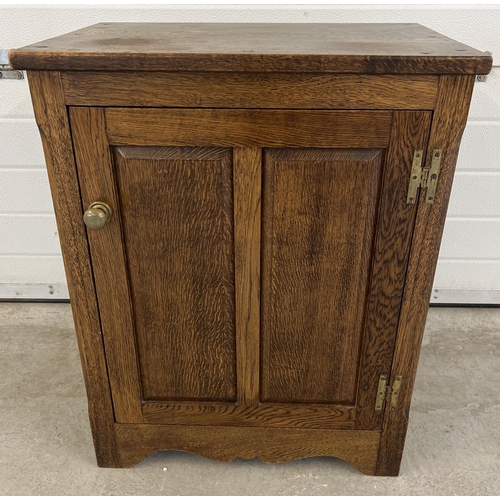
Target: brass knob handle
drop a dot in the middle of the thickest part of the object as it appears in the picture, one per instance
(97, 215)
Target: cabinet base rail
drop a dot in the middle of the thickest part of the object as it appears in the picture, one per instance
(134, 442)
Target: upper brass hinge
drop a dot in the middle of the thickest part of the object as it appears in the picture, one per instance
(426, 177)
(387, 393)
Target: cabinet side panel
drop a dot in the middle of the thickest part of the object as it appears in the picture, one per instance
(51, 117)
(177, 215)
(448, 124)
(319, 210)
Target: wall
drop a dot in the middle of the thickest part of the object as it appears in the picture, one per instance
(469, 263)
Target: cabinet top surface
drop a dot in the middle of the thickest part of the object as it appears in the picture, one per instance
(336, 48)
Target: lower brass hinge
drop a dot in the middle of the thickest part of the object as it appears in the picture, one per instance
(426, 177)
(386, 393)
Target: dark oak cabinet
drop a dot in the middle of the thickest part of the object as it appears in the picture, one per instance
(263, 216)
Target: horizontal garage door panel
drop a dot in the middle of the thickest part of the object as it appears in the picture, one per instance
(480, 148)
(29, 235)
(475, 195)
(459, 274)
(476, 239)
(21, 144)
(25, 191)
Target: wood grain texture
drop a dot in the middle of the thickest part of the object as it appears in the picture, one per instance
(250, 90)
(390, 258)
(448, 125)
(177, 215)
(52, 120)
(247, 226)
(271, 445)
(315, 270)
(308, 47)
(271, 415)
(250, 128)
(98, 183)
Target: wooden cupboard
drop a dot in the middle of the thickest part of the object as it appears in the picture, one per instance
(264, 206)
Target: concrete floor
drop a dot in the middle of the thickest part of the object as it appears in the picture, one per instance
(453, 443)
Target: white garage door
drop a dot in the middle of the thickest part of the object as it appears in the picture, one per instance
(30, 260)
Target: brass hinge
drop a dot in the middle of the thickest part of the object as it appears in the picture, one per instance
(387, 393)
(426, 177)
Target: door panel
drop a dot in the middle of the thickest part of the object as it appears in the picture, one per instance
(177, 216)
(319, 211)
(195, 331)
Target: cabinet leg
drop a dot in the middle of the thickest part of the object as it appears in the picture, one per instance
(104, 437)
(119, 463)
(392, 444)
(390, 465)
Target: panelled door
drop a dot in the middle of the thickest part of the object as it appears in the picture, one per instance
(252, 269)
